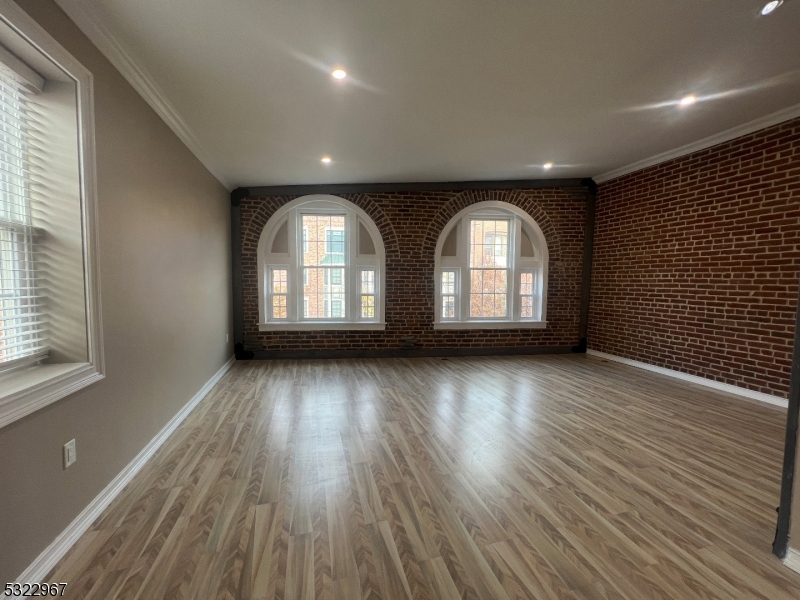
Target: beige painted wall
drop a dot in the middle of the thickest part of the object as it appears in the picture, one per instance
(165, 277)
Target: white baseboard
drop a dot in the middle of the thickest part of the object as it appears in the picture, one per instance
(723, 387)
(792, 560)
(39, 568)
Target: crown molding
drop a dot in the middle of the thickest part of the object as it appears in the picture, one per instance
(141, 80)
(718, 138)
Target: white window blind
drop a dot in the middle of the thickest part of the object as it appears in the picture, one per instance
(23, 331)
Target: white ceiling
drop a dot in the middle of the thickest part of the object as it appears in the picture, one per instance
(446, 90)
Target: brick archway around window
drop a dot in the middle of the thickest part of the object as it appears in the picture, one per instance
(410, 224)
(516, 198)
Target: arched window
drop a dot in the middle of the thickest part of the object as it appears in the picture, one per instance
(320, 266)
(491, 270)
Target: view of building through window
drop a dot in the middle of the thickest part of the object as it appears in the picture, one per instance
(448, 294)
(280, 289)
(488, 268)
(323, 264)
(367, 293)
(527, 293)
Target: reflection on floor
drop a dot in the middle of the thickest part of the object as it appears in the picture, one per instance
(557, 477)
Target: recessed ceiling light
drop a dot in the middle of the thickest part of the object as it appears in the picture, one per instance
(771, 6)
(326, 160)
(688, 100)
(548, 165)
(339, 74)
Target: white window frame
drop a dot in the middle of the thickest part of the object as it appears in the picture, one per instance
(536, 296)
(518, 219)
(271, 293)
(486, 215)
(29, 388)
(456, 294)
(291, 213)
(376, 287)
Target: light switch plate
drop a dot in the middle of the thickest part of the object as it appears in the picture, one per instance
(70, 453)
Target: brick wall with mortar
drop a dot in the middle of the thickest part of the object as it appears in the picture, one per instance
(410, 224)
(697, 261)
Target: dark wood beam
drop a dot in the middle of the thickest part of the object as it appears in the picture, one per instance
(410, 352)
(236, 274)
(418, 186)
(781, 543)
(588, 253)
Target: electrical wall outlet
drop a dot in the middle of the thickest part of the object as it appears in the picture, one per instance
(70, 453)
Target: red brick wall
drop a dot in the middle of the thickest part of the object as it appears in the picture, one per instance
(697, 260)
(410, 224)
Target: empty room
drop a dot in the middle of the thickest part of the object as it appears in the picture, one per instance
(399, 300)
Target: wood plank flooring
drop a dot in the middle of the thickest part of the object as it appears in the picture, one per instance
(553, 477)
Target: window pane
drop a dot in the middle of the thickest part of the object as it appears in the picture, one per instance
(527, 307)
(488, 259)
(529, 295)
(324, 250)
(367, 282)
(448, 282)
(334, 241)
(324, 285)
(325, 241)
(526, 284)
(367, 289)
(314, 292)
(448, 307)
(367, 307)
(476, 281)
(280, 288)
(279, 307)
(488, 289)
(279, 281)
(488, 243)
(333, 276)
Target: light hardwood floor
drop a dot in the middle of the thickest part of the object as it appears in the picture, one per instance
(559, 477)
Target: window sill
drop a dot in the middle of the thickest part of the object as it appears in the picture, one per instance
(491, 325)
(29, 389)
(322, 326)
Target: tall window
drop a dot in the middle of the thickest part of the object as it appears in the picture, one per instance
(491, 263)
(22, 328)
(324, 266)
(50, 325)
(488, 268)
(321, 263)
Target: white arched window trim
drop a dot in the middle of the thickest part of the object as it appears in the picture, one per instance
(355, 262)
(459, 265)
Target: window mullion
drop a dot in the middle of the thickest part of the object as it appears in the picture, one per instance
(464, 247)
(351, 275)
(514, 250)
(295, 266)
